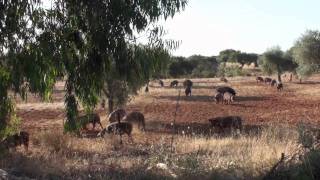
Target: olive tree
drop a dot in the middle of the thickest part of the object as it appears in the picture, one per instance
(306, 53)
(274, 60)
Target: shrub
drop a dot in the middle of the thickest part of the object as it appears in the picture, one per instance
(229, 71)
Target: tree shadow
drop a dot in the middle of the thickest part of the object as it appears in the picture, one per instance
(307, 82)
(203, 98)
(125, 149)
(250, 98)
(203, 87)
(199, 129)
(20, 166)
(90, 133)
(182, 87)
(193, 128)
(252, 130)
(192, 98)
(237, 104)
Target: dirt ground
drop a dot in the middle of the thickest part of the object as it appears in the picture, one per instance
(256, 103)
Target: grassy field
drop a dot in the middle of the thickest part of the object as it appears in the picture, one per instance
(272, 126)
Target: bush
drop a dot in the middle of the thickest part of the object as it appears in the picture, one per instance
(307, 168)
(196, 66)
(229, 71)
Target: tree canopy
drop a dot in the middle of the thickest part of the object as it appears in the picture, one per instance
(231, 55)
(83, 41)
(193, 66)
(274, 60)
(22, 64)
(306, 53)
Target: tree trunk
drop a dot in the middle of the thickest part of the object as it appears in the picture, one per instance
(279, 73)
(279, 77)
(71, 112)
(290, 77)
(3, 115)
(147, 87)
(110, 104)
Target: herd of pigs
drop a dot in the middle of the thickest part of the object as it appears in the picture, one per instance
(121, 122)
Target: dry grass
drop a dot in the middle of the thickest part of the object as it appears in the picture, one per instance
(54, 154)
(247, 156)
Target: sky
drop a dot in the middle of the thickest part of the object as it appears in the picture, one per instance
(207, 27)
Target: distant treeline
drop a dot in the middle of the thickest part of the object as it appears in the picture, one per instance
(302, 59)
(209, 66)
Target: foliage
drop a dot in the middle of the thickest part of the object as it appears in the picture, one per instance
(306, 53)
(202, 66)
(193, 66)
(230, 55)
(247, 58)
(97, 46)
(23, 67)
(146, 63)
(82, 41)
(180, 66)
(229, 71)
(274, 60)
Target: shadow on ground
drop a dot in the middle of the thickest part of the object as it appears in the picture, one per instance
(183, 88)
(199, 129)
(198, 98)
(249, 98)
(307, 82)
(192, 98)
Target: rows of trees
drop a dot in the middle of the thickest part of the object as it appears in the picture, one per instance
(302, 59)
(208, 66)
(92, 44)
(194, 66)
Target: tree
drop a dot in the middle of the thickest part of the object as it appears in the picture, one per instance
(204, 66)
(23, 63)
(196, 65)
(247, 58)
(306, 53)
(101, 49)
(147, 63)
(274, 60)
(180, 66)
(228, 55)
(80, 40)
